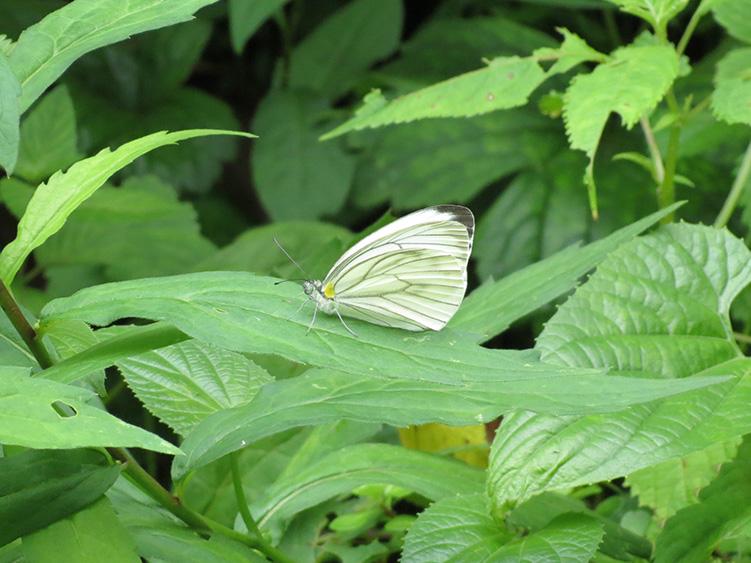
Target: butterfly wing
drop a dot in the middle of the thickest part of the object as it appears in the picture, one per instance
(411, 274)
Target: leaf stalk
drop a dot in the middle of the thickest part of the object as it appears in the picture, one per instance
(741, 179)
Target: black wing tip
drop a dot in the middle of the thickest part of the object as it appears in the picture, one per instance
(460, 214)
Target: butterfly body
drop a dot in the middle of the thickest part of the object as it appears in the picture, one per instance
(410, 274)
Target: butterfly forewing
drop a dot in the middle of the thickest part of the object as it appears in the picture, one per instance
(410, 274)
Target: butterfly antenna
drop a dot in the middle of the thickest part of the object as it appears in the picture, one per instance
(290, 258)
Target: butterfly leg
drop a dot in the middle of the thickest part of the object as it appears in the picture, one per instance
(312, 322)
(300, 308)
(352, 332)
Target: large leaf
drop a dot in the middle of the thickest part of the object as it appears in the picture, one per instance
(735, 17)
(182, 384)
(424, 162)
(48, 137)
(46, 49)
(321, 396)
(657, 12)
(631, 84)
(333, 56)
(490, 309)
(731, 100)
(506, 82)
(28, 418)
(693, 532)
(91, 535)
(60, 481)
(10, 114)
(56, 199)
(342, 471)
(295, 175)
(658, 305)
(461, 530)
(246, 17)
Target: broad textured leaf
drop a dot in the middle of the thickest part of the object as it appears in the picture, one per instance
(138, 230)
(46, 49)
(505, 82)
(60, 481)
(320, 396)
(538, 214)
(572, 52)
(342, 471)
(631, 84)
(460, 529)
(731, 100)
(48, 137)
(316, 246)
(246, 17)
(735, 17)
(68, 339)
(28, 418)
(160, 536)
(91, 535)
(182, 384)
(332, 56)
(693, 532)
(675, 483)
(56, 199)
(424, 162)
(657, 12)
(295, 175)
(490, 309)
(658, 305)
(10, 114)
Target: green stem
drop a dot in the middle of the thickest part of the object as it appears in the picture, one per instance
(132, 469)
(666, 192)
(691, 27)
(250, 523)
(654, 150)
(741, 179)
(22, 326)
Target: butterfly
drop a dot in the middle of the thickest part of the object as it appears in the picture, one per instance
(410, 274)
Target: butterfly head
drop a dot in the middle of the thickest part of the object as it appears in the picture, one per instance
(309, 287)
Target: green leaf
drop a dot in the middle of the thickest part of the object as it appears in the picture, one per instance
(182, 384)
(432, 154)
(332, 57)
(10, 114)
(60, 481)
(735, 17)
(342, 471)
(519, 228)
(130, 341)
(320, 396)
(657, 12)
(56, 199)
(315, 246)
(731, 100)
(160, 536)
(246, 17)
(13, 350)
(631, 84)
(192, 167)
(693, 532)
(28, 418)
(71, 337)
(91, 535)
(572, 52)
(460, 529)
(295, 175)
(657, 305)
(675, 483)
(48, 137)
(46, 49)
(505, 82)
(490, 309)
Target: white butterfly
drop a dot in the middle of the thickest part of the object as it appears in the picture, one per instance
(410, 274)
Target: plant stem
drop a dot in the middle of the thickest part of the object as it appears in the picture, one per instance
(133, 470)
(691, 27)
(250, 523)
(22, 326)
(666, 191)
(654, 150)
(741, 179)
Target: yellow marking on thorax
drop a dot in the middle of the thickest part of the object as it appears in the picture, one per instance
(328, 291)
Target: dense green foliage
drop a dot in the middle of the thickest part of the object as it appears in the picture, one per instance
(557, 417)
